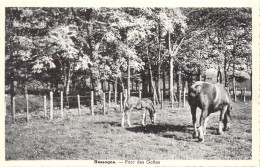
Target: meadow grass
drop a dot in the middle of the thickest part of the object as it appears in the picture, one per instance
(87, 137)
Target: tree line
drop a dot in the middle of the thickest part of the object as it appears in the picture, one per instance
(63, 48)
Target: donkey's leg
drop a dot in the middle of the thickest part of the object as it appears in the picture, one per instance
(128, 116)
(221, 120)
(193, 113)
(123, 119)
(205, 124)
(227, 120)
(204, 114)
(144, 117)
(154, 118)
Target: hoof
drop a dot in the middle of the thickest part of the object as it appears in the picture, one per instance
(227, 128)
(201, 139)
(195, 135)
(220, 133)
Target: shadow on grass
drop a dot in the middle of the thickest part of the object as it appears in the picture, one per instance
(184, 132)
(156, 129)
(114, 124)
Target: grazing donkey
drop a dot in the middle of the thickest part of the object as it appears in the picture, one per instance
(209, 98)
(139, 104)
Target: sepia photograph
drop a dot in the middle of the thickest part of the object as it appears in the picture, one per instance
(128, 85)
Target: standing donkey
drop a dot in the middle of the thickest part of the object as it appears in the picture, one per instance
(139, 104)
(209, 98)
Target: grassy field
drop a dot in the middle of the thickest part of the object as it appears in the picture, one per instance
(88, 137)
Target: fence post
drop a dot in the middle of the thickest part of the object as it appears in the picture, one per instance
(45, 107)
(109, 98)
(244, 95)
(125, 97)
(104, 103)
(172, 100)
(235, 94)
(115, 97)
(121, 101)
(154, 102)
(121, 109)
(241, 94)
(179, 104)
(51, 105)
(61, 103)
(13, 109)
(92, 102)
(140, 94)
(161, 99)
(184, 98)
(27, 108)
(79, 105)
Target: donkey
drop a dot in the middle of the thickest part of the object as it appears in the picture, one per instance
(209, 98)
(139, 104)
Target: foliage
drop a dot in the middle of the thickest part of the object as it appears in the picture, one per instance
(58, 44)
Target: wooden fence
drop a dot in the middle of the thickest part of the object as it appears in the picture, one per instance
(109, 97)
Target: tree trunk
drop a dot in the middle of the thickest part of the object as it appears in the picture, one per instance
(225, 75)
(153, 90)
(98, 92)
(163, 78)
(171, 69)
(122, 85)
(25, 84)
(115, 91)
(64, 77)
(67, 88)
(56, 86)
(150, 86)
(128, 73)
(234, 80)
(179, 83)
(199, 75)
(12, 93)
(225, 71)
(219, 76)
(159, 65)
(144, 84)
(251, 85)
(102, 85)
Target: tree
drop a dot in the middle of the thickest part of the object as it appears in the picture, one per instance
(225, 31)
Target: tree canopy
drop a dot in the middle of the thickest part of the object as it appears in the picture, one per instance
(65, 46)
